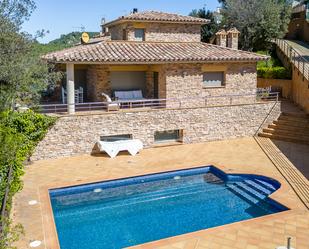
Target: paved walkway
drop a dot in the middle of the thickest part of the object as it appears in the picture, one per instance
(294, 177)
(298, 154)
(302, 63)
(301, 47)
(233, 156)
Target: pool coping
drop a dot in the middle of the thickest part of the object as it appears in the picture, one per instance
(49, 226)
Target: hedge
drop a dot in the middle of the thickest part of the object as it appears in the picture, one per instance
(19, 134)
(273, 73)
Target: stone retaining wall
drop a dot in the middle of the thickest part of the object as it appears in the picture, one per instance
(73, 135)
(284, 85)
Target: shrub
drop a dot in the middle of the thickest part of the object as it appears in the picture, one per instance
(19, 134)
(273, 73)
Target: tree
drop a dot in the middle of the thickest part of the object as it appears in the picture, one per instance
(208, 30)
(258, 21)
(23, 75)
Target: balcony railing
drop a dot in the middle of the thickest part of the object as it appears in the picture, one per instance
(222, 100)
(299, 61)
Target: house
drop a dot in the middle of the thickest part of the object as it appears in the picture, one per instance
(170, 86)
(160, 54)
(299, 24)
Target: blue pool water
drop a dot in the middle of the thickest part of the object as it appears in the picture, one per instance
(131, 211)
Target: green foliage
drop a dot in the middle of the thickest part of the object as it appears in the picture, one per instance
(273, 73)
(23, 76)
(274, 61)
(19, 134)
(258, 21)
(65, 41)
(273, 68)
(10, 234)
(209, 30)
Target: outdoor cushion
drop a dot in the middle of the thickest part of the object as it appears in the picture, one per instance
(133, 146)
(129, 95)
(138, 94)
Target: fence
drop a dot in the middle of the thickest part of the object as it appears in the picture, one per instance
(208, 101)
(299, 61)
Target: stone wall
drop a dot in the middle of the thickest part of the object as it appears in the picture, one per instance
(98, 81)
(300, 90)
(281, 84)
(158, 32)
(73, 135)
(184, 81)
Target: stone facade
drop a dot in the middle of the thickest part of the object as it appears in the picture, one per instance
(183, 81)
(158, 32)
(98, 81)
(73, 135)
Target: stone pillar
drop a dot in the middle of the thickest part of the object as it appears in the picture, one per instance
(70, 88)
(232, 38)
(221, 38)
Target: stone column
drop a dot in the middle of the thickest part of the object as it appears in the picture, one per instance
(232, 38)
(221, 38)
(70, 88)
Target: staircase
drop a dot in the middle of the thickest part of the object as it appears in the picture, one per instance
(290, 127)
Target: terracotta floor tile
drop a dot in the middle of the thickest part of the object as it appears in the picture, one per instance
(233, 156)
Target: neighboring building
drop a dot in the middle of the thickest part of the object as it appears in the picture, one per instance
(181, 89)
(299, 24)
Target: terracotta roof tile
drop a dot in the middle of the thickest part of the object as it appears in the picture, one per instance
(156, 16)
(150, 52)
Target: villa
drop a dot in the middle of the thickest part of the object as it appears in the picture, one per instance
(147, 77)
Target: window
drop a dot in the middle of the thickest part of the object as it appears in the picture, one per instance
(139, 34)
(168, 136)
(213, 79)
(114, 138)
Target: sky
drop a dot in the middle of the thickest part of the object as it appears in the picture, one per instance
(64, 16)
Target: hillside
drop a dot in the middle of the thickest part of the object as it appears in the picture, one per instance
(65, 41)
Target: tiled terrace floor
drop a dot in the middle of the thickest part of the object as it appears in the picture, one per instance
(239, 155)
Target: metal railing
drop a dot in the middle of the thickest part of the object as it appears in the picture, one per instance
(222, 100)
(298, 60)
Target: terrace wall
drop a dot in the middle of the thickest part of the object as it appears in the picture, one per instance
(73, 135)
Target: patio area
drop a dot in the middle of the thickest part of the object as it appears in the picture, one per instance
(232, 156)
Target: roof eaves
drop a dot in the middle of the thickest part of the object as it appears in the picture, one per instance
(125, 19)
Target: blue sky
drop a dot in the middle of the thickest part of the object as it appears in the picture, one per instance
(64, 16)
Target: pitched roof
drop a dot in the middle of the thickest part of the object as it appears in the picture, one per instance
(117, 52)
(157, 16)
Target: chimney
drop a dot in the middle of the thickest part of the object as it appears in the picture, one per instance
(232, 38)
(103, 29)
(135, 10)
(221, 38)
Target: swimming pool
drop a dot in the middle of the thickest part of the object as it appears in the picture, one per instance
(131, 211)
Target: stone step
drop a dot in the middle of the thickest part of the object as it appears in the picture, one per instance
(294, 119)
(284, 138)
(291, 129)
(294, 124)
(301, 130)
(295, 114)
(290, 133)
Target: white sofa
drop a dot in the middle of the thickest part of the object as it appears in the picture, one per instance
(129, 95)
